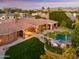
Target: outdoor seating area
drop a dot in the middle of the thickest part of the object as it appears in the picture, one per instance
(58, 38)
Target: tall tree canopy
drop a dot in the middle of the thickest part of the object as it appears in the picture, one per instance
(61, 17)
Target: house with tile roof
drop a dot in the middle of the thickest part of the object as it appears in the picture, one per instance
(10, 31)
(7, 16)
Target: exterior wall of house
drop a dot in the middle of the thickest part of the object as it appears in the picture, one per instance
(8, 17)
(29, 32)
(26, 34)
(2, 18)
(11, 17)
(47, 27)
(5, 39)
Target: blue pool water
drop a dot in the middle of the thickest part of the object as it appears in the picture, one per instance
(63, 38)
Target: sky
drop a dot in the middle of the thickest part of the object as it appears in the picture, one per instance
(35, 4)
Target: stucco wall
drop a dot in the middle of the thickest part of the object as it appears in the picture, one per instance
(5, 39)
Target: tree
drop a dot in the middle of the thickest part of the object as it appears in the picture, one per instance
(48, 9)
(6, 10)
(75, 38)
(76, 23)
(77, 52)
(30, 12)
(38, 17)
(63, 23)
(1, 11)
(60, 16)
(43, 8)
(75, 33)
(16, 17)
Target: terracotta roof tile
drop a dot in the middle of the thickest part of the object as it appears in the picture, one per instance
(13, 26)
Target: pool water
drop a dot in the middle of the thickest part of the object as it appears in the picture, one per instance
(63, 38)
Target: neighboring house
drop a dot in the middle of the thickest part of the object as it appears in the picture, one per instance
(45, 15)
(7, 16)
(34, 14)
(10, 16)
(23, 15)
(2, 17)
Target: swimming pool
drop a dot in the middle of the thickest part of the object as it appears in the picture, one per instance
(63, 38)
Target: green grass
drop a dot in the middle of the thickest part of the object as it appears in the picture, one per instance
(30, 49)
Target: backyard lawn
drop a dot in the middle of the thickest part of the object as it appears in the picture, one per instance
(30, 49)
